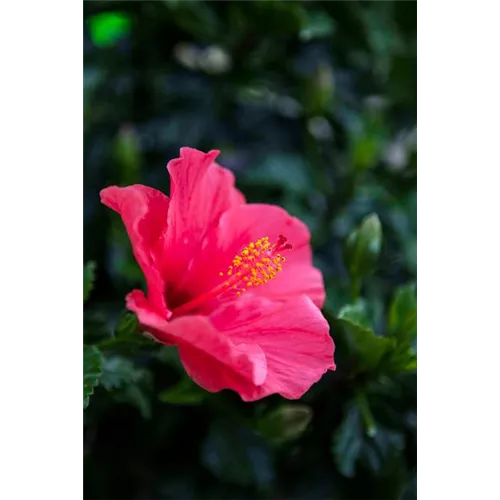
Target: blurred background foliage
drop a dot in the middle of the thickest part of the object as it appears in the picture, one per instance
(313, 106)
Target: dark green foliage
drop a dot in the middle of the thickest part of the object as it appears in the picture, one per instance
(92, 371)
(313, 106)
(88, 279)
(186, 392)
(236, 454)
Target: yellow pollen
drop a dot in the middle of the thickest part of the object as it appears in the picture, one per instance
(258, 263)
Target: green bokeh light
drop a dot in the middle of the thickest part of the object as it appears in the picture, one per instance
(108, 28)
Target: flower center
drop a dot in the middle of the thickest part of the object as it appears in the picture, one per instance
(255, 265)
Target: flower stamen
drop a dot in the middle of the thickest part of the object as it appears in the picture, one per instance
(257, 264)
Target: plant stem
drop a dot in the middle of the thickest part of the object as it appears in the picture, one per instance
(371, 426)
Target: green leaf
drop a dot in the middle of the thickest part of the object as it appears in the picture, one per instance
(92, 371)
(353, 443)
(127, 383)
(400, 359)
(394, 400)
(402, 327)
(127, 326)
(88, 279)
(118, 372)
(170, 356)
(125, 333)
(235, 454)
(356, 313)
(363, 246)
(185, 392)
(402, 322)
(367, 348)
(284, 423)
(348, 441)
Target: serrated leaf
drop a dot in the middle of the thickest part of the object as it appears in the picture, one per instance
(363, 246)
(88, 279)
(117, 372)
(235, 454)
(92, 371)
(284, 423)
(185, 392)
(367, 348)
(127, 383)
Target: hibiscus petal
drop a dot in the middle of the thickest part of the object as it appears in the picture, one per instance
(144, 213)
(244, 224)
(201, 191)
(210, 358)
(296, 279)
(293, 335)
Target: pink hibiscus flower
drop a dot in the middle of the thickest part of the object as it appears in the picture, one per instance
(231, 284)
